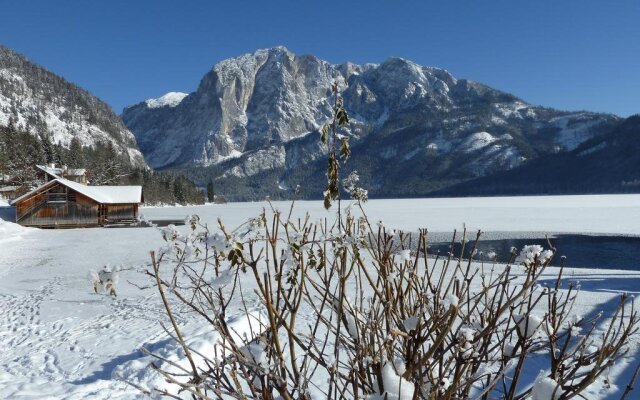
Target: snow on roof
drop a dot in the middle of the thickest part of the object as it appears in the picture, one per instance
(101, 194)
(107, 194)
(50, 170)
(59, 171)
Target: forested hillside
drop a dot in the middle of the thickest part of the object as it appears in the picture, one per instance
(20, 152)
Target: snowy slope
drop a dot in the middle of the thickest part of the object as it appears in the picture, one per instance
(37, 101)
(607, 163)
(477, 141)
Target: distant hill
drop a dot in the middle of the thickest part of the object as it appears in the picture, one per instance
(252, 125)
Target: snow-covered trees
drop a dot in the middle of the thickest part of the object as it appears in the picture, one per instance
(38, 101)
(19, 154)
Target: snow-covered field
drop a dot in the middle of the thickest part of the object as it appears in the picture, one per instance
(58, 339)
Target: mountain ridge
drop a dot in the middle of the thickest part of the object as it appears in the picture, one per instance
(250, 126)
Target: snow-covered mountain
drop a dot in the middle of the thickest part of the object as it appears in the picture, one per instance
(251, 115)
(608, 163)
(40, 102)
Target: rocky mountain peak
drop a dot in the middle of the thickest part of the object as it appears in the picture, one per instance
(262, 104)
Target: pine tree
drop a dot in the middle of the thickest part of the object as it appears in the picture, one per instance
(210, 192)
(76, 154)
(4, 156)
(48, 148)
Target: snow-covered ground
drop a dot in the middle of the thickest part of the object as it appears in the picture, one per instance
(58, 339)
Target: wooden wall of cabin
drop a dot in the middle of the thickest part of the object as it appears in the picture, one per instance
(120, 212)
(58, 206)
(25, 205)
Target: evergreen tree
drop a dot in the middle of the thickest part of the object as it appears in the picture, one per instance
(210, 192)
(76, 154)
(49, 149)
(22, 152)
(4, 158)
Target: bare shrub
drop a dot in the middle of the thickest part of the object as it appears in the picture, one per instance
(347, 309)
(355, 311)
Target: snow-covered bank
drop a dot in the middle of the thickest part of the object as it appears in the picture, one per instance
(10, 232)
(61, 340)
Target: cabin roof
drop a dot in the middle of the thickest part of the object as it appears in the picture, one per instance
(76, 171)
(101, 194)
(107, 194)
(57, 172)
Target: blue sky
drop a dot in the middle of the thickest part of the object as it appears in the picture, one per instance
(571, 54)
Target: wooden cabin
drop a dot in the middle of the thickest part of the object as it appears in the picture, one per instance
(50, 172)
(218, 199)
(61, 203)
(11, 191)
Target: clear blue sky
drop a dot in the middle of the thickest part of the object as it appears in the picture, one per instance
(568, 54)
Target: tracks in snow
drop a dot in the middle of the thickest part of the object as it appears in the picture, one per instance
(23, 336)
(68, 349)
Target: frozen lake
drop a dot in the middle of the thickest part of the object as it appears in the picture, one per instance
(610, 214)
(598, 231)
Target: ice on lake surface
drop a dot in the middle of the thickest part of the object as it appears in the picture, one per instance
(613, 214)
(594, 231)
(61, 340)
